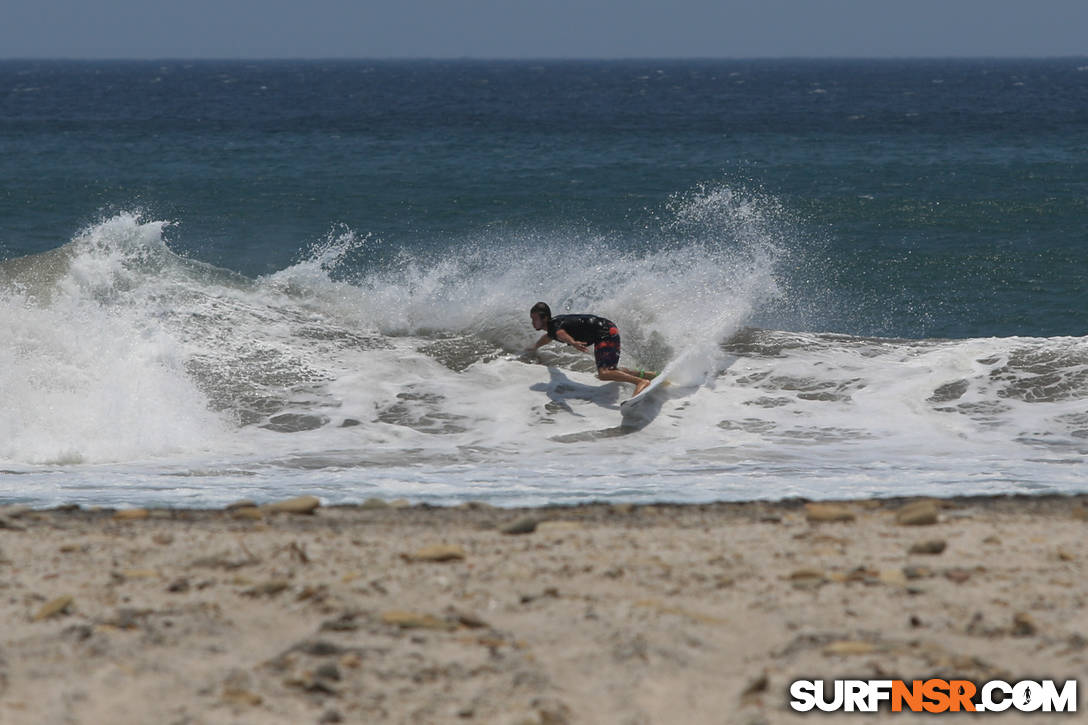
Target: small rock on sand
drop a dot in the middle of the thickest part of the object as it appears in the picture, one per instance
(929, 546)
(957, 575)
(755, 687)
(10, 524)
(298, 505)
(807, 578)
(413, 620)
(54, 607)
(1023, 625)
(131, 514)
(437, 553)
(893, 577)
(826, 512)
(238, 696)
(267, 589)
(919, 513)
(849, 647)
(524, 525)
(246, 513)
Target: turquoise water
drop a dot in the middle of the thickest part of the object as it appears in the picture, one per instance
(255, 276)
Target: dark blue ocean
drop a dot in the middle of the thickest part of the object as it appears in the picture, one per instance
(227, 279)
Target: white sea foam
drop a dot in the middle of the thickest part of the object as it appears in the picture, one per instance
(131, 375)
(87, 378)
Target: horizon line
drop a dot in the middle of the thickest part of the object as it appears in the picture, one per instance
(527, 59)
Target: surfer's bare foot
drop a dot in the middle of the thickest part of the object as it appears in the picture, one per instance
(640, 386)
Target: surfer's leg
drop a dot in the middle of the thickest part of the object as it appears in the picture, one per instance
(644, 374)
(607, 354)
(621, 376)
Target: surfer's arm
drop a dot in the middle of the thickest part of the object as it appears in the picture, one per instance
(544, 340)
(564, 336)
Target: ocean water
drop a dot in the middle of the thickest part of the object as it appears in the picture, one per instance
(226, 280)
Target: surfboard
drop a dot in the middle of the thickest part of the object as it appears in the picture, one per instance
(645, 404)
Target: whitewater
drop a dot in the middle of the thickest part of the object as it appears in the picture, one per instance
(133, 375)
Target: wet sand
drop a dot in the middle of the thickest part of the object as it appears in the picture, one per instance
(592, 614)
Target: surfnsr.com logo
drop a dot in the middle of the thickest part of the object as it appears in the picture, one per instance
(933, 696)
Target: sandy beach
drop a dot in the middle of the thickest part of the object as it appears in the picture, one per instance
(389, 612)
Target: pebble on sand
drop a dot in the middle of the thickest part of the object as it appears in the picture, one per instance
(54, 607)
(957, 575)
(237, 696)
(929, 546)
(524, 525)
(919, 513)
(807, 578)
(131, 514)
(849, 647)
(1023, 625)
(267, 589)
(755, 688)
(893, 577)
(437, 553)
(247, 513)
(298, 505)
(10, 524)
(413, 620)
(825, 512)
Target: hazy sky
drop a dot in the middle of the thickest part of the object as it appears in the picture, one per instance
(539, 28)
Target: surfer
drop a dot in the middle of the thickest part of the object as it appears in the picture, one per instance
(581, 331)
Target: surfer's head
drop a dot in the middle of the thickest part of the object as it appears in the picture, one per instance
(540, 314)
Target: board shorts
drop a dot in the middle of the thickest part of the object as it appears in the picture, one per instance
(606, 351)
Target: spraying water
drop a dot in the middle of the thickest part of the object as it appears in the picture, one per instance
(135, 375)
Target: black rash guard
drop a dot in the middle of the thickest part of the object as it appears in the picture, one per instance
(589, 329)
